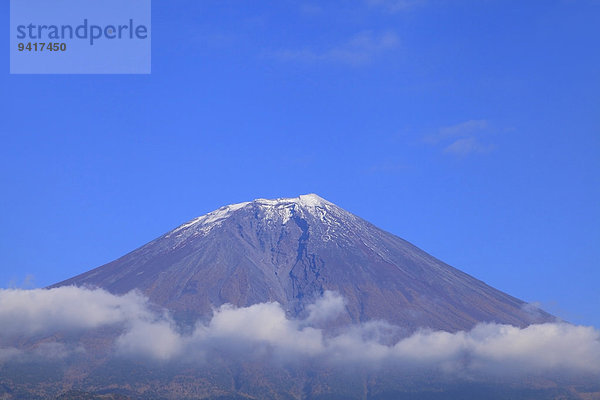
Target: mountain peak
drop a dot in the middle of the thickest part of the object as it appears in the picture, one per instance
(280, 207)
(306, 200)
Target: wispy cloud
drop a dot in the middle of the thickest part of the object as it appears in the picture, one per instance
(395, 5)
(361, 49)
(27, 283)
(488, 349)
(465, 146)
(465, 128)
(462, 139)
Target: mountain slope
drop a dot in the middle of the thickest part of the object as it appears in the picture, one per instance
(291, 251)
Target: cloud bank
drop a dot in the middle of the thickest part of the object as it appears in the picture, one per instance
(41, 311)
(265, 329)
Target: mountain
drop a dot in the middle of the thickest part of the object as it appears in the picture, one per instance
(88, 344)
(292, 250)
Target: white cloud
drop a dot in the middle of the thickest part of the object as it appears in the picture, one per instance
(325, 308)
(464, 128)
(157, 339)
(43, 311)
(537, 347)
(462, 139)
(265, 328)
(9, 353)
(264, 323)
(465, 146)
(46, 350)
(359, 50)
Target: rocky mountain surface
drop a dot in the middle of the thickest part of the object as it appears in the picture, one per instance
(292, 250)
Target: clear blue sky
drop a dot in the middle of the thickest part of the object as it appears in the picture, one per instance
(470, 128)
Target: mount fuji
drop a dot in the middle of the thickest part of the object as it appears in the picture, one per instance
(291, 251)
(291, 298)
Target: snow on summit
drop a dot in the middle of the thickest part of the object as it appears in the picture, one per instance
(280, 208)
(306, 200)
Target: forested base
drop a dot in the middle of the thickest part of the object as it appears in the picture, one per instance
(120, 380)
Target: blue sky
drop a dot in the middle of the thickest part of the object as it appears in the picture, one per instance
(469, 128)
